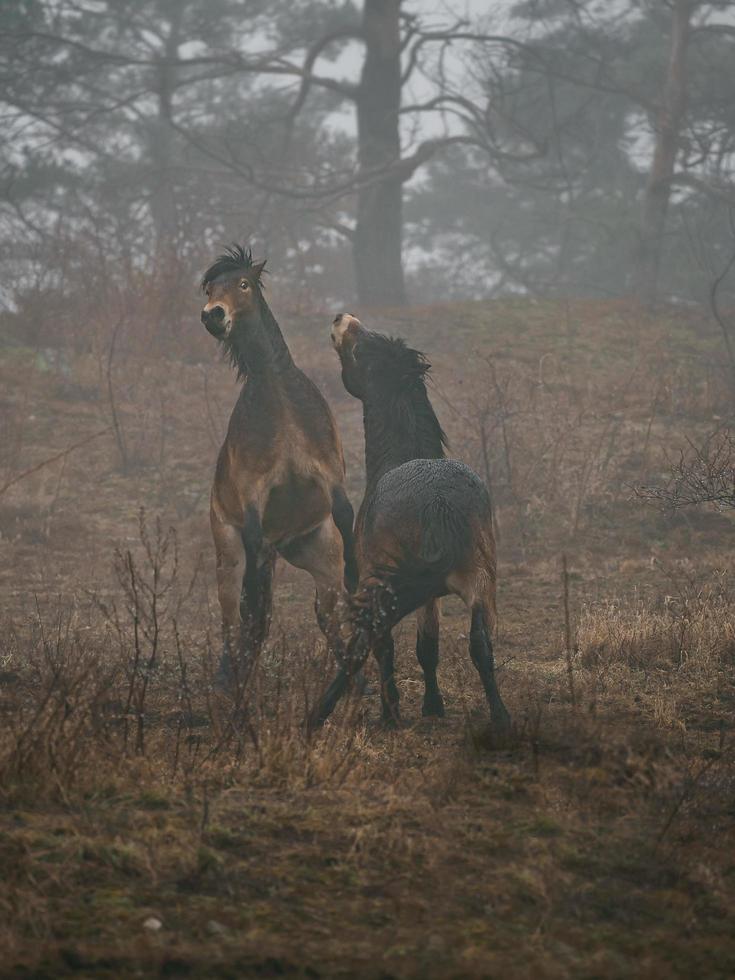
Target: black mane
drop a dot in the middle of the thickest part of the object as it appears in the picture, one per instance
(392, 364)
(397, 405)
(233, 260)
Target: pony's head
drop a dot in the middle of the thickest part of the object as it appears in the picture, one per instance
(232, 285)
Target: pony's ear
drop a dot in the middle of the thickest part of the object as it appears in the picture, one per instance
(256, 270)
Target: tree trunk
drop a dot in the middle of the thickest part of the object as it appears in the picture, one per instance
(163, 202)
(668, 124)
(162, 150)
(379, 228)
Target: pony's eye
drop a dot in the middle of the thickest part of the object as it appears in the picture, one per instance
(244, 284)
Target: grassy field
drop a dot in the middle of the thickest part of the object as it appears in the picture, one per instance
(142, 833)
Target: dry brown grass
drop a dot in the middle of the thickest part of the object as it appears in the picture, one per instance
(362, 852)
(598, 843)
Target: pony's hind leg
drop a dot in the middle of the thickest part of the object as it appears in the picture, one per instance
(384, 653)
(481, 651)
(427, 654)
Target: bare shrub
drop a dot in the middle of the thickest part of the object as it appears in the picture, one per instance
(151, 601)
(75, 719)
(55, 734)
(83, 701)
(550, 452)
(703, 474)
(562, 442)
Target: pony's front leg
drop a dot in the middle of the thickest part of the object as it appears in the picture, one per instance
(354, 657)
(256, 596)
(256, 599)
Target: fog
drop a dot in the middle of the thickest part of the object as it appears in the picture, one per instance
(450, 151)
(529, 210)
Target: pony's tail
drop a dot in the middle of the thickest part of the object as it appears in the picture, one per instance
(446, 537)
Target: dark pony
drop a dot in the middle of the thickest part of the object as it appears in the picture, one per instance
(424, 528)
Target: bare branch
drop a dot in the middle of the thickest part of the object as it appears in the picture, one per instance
(723, 191)
(716, 312)
(308, 78)
(702, 475)
(422, 39)
(52, 459)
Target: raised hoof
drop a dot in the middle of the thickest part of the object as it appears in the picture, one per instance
(433, 708)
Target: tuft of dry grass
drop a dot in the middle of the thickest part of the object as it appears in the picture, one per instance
(673, 655)
(677, 634)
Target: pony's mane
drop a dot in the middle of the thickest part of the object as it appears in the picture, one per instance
(234, 259)
(392, 364)
(398, 376)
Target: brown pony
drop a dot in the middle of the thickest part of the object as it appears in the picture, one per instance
(279, 483)
(424, 528)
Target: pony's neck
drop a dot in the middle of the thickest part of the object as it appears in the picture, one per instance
(281, 352)
(257, 346)
(398, 430)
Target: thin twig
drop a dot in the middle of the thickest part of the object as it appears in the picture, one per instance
(715, 309)
(119, 437)
(568, 631)
(53, 459)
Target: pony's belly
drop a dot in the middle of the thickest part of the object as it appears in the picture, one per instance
(293, 507)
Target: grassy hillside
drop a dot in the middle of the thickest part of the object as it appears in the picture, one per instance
(142, 833)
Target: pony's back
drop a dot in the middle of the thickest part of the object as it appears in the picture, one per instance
(427, 518)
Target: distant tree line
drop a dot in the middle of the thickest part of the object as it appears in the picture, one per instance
(374, 149)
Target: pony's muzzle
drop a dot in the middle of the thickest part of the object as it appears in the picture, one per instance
(343, 324)
(215, 321)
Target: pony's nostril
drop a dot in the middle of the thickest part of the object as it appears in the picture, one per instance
(216, 313)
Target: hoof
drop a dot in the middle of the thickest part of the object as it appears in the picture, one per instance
(433, 708)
